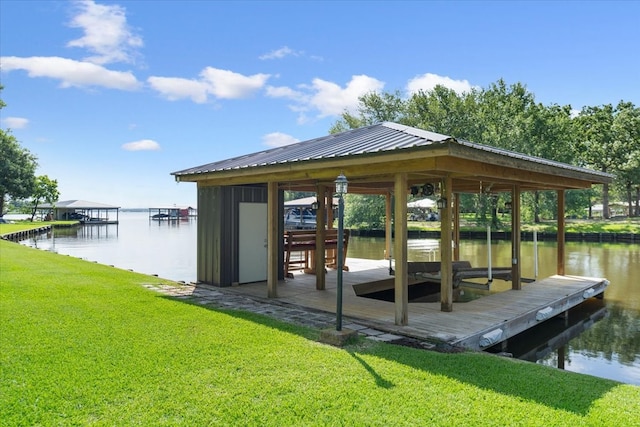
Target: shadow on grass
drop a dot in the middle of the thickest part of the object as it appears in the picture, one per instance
(553, 388)
(380, 381)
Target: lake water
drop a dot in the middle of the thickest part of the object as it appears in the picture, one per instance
(601, 338)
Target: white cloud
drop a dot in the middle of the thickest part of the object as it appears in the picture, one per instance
(15, 122)
(174, 88)
(280, 53)
(142, 145)
(327, 98)
(229, 85)
(106, 33)
(428, 81)
(286, 92)
(222, 84)
(70, 72)
(278, 139)
(331, 100)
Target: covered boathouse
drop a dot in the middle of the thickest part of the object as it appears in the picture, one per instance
(81, 210)
(241, 232)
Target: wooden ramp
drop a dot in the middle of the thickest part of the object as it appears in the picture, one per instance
(476, 324)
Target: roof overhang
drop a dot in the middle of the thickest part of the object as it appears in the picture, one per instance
(472, 167)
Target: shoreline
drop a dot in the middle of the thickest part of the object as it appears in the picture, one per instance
(506, 235)
(412, 234)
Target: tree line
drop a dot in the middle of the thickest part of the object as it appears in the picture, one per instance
(604, 138)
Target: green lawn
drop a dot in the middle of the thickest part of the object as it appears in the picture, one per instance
(86, 344)
(28, 225)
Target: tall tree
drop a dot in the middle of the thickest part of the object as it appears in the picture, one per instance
(443, 110)
(45, 190)
(609, 140)
(505, 116)
(17, 168)
(374, 108)
(367, 211)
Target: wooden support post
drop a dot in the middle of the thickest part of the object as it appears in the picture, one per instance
(273, 239)
(516, 268)
(456, 227)
(320, 260)
(446, 255)
(330, 218)
(388, 233)
(561, 231)
(401, 279)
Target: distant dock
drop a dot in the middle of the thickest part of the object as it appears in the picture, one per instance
(172, 213)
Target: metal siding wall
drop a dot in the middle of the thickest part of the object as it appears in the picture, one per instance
(208, 242)
(218, 229)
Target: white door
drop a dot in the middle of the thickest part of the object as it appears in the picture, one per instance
(252, 242)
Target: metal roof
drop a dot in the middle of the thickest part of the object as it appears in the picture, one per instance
(78, 204)
(366, 140)
(378, 138)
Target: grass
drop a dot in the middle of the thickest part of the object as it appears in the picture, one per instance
(28, 225)
(87, 344)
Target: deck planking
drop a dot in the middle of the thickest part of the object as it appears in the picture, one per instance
(468, 325)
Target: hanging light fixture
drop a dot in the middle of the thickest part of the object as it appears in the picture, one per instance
(341, 184)
(441, 203)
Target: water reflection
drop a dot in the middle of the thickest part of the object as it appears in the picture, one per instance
(165, 248)
(541, 341)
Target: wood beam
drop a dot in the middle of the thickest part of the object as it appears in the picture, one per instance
(508, 172)
(456, 226)
(320, 260)
(561, 233)
(273, 239)
(401, 279)
(446, 255)
(388, 232)
(516, 264)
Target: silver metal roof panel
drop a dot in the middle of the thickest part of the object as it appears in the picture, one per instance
(376, 138)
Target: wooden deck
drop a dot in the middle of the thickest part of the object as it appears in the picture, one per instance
(477, 324)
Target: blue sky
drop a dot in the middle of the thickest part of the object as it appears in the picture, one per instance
(113, 96)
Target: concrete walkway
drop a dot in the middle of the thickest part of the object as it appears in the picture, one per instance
(215, 297)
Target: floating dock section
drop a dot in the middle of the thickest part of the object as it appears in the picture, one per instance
(500, 316)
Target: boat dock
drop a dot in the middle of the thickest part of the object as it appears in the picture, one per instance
(477, 324)
(172, 213)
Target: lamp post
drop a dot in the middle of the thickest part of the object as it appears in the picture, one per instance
(341, 189)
